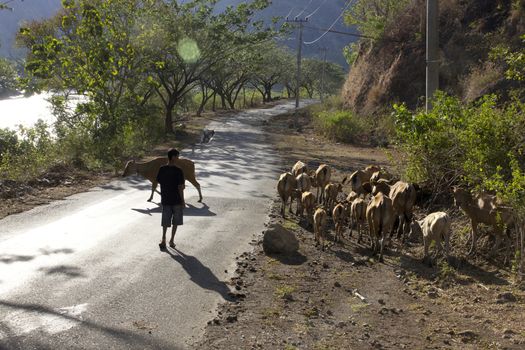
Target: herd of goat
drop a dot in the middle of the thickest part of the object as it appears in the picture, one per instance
(384, 205)
(376, 201)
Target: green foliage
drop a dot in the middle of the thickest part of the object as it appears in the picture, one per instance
(24, 157)
(272, 65)
(515, 60)
(350, 52)
(8, 78)
(371, 17)
(319, 76)
(284, 292)
(340, 125)
(479, 144)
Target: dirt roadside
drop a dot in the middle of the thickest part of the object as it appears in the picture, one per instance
(344, 299)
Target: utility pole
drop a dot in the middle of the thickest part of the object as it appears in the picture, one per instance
(299, 59)
(323, 50)
(432, 51)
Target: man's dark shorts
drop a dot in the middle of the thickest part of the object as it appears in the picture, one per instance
(172, 214)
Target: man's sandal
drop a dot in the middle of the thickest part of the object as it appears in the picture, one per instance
(162, 246)
(172, 245)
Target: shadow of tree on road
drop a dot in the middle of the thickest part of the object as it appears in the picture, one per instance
(66, 270)
(127, 339)
(200, 274)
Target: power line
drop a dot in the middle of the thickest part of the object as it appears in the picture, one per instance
(333, 24)
(289, 13)
(300, 13)
(349, 34)
(315, 11)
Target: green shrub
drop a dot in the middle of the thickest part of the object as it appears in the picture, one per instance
(28, 155)
(342, 126)
(478, 144)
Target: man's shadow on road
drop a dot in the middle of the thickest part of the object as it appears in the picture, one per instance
(200, 274)
(189, 210)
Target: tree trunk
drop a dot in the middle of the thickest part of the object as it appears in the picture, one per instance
(244, 97)
(214, 102)
(168, 121)
(268, 93)
(223, 101)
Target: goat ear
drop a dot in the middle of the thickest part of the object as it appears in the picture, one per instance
(367, 187)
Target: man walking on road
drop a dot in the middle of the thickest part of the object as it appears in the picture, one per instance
(171, 180)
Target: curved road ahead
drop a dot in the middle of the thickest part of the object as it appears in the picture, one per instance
(86, 272)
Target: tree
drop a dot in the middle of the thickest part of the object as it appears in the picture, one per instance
(196, 41)
(318, 76)
(515, 61)
(8, 78)
(274, 63)
(89, 48)
(371, 17)
(4, 5)
(231, 76)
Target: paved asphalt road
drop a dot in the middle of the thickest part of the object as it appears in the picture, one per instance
(86, 272)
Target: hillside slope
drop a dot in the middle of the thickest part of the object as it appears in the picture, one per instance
(393, 68)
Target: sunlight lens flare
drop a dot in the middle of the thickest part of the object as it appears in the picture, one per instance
(188, 50)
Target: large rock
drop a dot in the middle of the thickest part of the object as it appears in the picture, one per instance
(278, 240)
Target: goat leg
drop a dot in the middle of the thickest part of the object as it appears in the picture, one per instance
(474, 237)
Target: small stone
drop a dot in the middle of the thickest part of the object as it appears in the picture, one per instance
(381, 301)
(325, 265)
(432, 293)
(337, 284)
(467, 335)
(231, 318)
(225, 271)
(506, 297)
(329, 313)
(341, 324)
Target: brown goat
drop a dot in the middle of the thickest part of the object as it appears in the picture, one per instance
(484, 209)
(308, 204)
(304, 184)
(150, 169)
(286, 188)
(381, 186)
(358, 215)
(380, 217)
(299, 168)
(339, 215)
(320, 218)
(434, 227)
(381, 175)
(323, 175)
(403, 197)
(360, 182)
(331, 191)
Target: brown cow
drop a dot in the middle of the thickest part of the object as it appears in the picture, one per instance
(150, 169)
